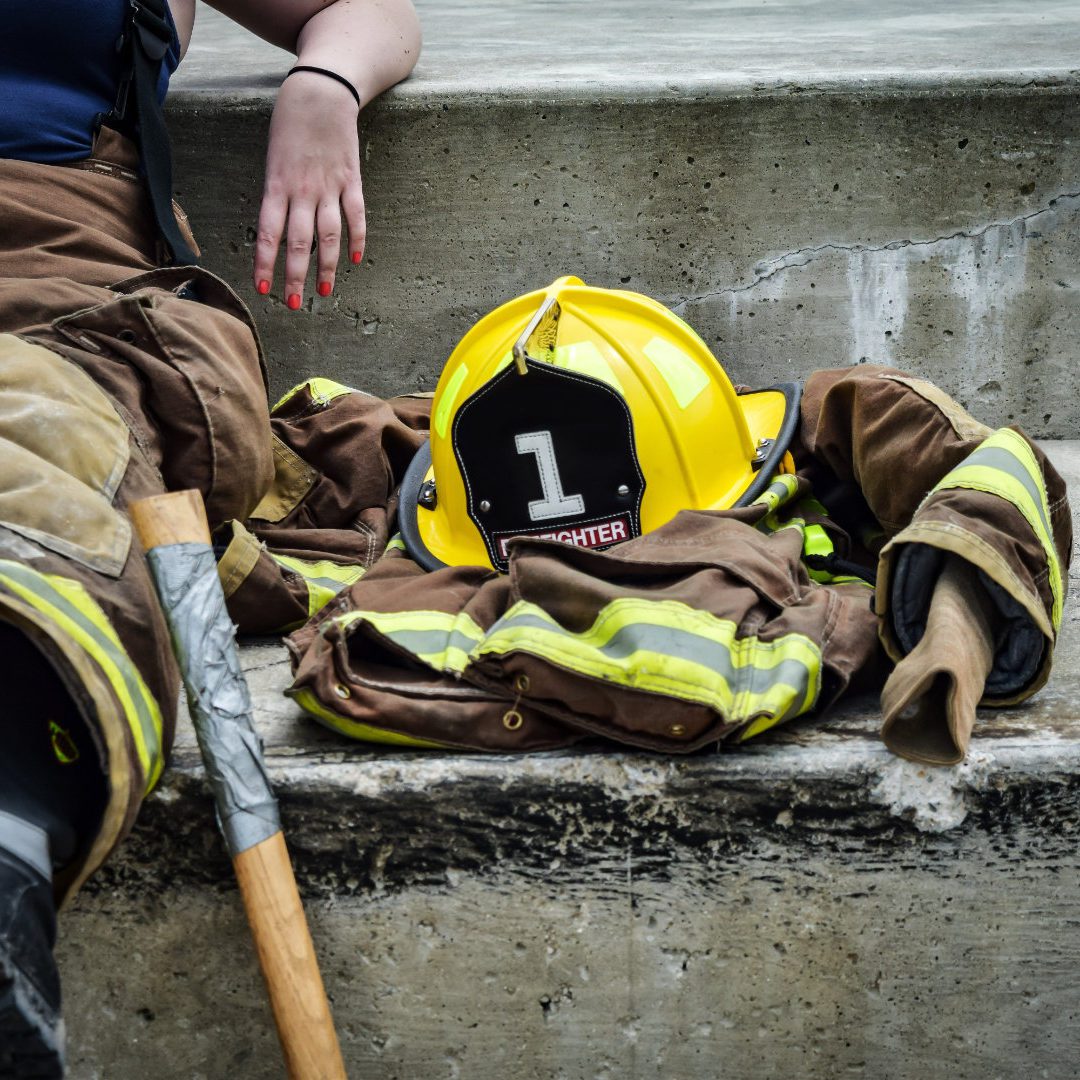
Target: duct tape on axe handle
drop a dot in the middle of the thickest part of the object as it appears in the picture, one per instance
(217, 693)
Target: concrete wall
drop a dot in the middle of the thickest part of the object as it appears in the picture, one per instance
(934, 229)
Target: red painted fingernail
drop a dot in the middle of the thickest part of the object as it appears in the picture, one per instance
(294, 301)
(263, 287)
(324, 288)
(357, 256)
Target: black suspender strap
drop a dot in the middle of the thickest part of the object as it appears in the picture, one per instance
(146, 40)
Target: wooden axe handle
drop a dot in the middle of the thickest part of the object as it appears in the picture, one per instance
(264, 871)
(177, 517)
(287, 958)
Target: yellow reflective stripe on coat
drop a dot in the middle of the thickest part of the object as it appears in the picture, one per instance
(816, 541)
(666, 647)
(354, 729)
(659, 646)
(322, 391)
(324, 579)
(815, 538)
(443, 641)
(67, 604)
(1005, 465)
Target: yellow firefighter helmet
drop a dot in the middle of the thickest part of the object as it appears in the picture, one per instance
(588, 416)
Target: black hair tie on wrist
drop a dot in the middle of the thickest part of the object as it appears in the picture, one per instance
(331, 74)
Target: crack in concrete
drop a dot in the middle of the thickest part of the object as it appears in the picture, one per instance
(266, 665)
(803, 256)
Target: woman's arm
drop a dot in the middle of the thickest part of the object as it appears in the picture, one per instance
(313, 157)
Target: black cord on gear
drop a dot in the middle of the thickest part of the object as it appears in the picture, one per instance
(330, 74)
(151, 35)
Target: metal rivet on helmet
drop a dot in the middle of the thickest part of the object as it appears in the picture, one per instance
(427, 497)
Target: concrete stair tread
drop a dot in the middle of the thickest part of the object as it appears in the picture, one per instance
(1033, 743)
(567, 49)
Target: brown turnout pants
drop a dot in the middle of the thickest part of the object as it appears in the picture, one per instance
(118, 380)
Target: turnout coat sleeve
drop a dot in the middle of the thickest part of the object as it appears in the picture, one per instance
(884, 447)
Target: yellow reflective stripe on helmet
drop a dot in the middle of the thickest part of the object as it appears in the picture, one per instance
(67, 604)
(684, 375)
(307, 701)
(322, 391)
(585, 358)
(443, 641)
(1005, 465)
(666, 647)
(448, 398)
(324, 579)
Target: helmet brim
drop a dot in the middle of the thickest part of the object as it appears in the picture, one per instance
(412, 535)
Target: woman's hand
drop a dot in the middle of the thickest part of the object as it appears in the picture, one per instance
(313, 160)
(312, 181)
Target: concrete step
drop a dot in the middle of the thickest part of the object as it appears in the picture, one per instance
(809, 182)
(806, 906)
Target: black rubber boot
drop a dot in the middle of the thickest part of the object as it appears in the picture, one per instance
(31, 1029)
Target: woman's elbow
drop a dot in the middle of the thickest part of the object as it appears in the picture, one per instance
(412, 37)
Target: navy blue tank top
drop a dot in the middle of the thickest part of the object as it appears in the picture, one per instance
(59, 70)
